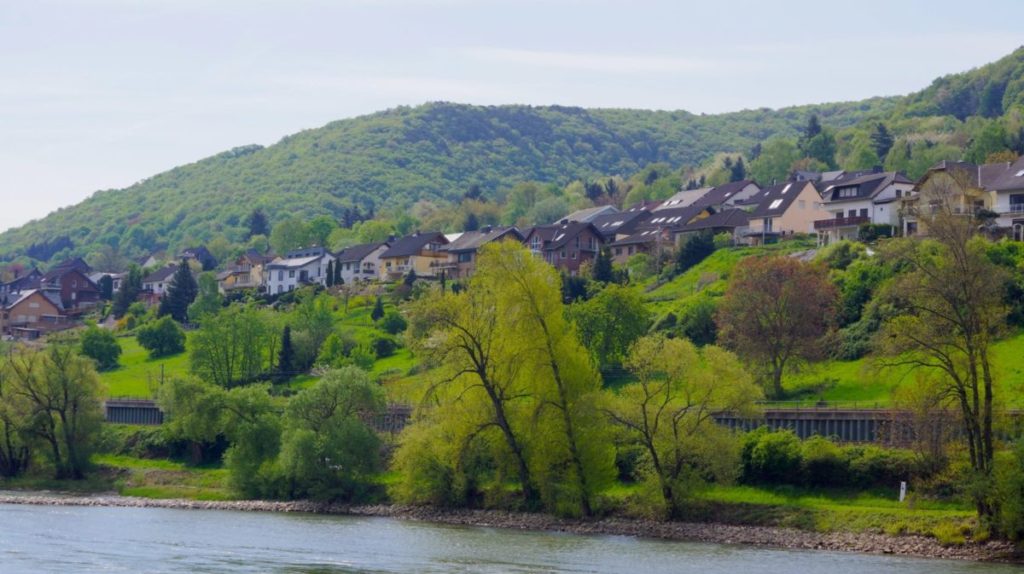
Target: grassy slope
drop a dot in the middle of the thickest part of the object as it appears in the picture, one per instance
(139, 375)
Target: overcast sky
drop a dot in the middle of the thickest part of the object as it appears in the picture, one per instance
(97, 94)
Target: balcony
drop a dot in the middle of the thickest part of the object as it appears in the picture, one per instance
(1015, 209)
(834, 222)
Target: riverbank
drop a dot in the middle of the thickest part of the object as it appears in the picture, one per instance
(765, 536)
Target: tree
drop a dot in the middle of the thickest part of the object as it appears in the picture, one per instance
(208, 301)
(602, 270)
(290, 234)
(813, 128)
(609, 324)
(330, 273)
(62, 392)
(378, 310)
(471, 223)
(161, 338)
(131, 287)
(181, 292)
(338, 280)
(327, 451)
(775, 162)
(881, 140)
(258, 224)
(106, 285)
(320, 228)
(696, 249)
(237, 348)
(990, 140)
(777, 310)
(286, 356)
(738, 171)
(668, 411)
(16, 444)
(100, 346)
(821, 147)
(950, 310)
(393, 323)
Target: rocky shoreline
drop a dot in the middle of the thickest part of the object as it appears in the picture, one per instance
(786, 538)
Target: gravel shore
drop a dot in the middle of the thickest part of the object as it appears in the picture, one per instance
(698, 532)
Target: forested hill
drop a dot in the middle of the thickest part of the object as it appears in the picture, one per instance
(437, 151)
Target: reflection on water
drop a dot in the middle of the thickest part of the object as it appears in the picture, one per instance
(71, 539)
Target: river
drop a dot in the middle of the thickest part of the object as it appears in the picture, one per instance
(99, 539)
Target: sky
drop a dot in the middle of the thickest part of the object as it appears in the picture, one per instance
(99, 94)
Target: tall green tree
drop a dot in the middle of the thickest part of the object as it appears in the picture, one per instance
(881, 140)
(101, 346)
(258, 223)
(181, 292)
(131, 288)
(602, 270)
(609, 323)
(208, 299)
(236, 348)
(775, 161)
(286, 356)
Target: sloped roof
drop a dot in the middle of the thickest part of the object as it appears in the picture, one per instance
(775, 200)
(51, 296)
(160, 274)
(684, 198)
(473, 240)
(671, 217)
(357, 253)
(723, 193)
(641, 236)
(559, 235)
(588, 214)
(1010, 178)
(293, 263)
(622, 222)
(867, 186)
(726, 218)
(413, 244)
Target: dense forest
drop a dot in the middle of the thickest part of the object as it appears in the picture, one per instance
(437, 153)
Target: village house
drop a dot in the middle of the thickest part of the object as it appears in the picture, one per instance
(70, 278)
(784, 209)
(422, 252)
(156, 283)
(657, 233)
(360, 262)
(621, 224)
(297, 268)
(245, 273)
(956, 187)
(728, 195)
(115, 279)
(589, 214)
(684, 198)
(857, 199)
(200, 255)
(733, 222)
(566, 245)
(1007, 199)
(462, 251)
(21, 282)
(29, 314)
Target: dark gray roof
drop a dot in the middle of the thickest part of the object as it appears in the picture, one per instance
(672, 217)
(413, 244)
(775, 200)
(728, 218)
(723, 193)
(623, 222)
(357, 253)
(50, 295)
(867, 186)
(556, 236)
(1011, 178)
(588, 214)
(160, 274)
(473, 240)
(642, 236)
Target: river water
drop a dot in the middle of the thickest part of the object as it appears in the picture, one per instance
(99, 539)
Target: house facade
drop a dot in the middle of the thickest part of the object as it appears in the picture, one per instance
(361, 262)
(422, 252)
(955, 187)
(1007, 199)
(296, 269)
(657, 233)
(77, 291)
(850, 202)
(245, 273)
(33, 313)
(784, 209)
(462, 252)
(156, 283)
(566, 246)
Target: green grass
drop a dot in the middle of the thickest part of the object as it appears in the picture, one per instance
(138, 375)
(162, 478)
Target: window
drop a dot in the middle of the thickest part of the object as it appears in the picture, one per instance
(1020, 173)
(775, 204)
(618, 251)
(899, 193)
(851, 213)
(574, 255)
(33, 305)
(562, 254)
(864, 213)
(465, 257)
(802, 204)
(291, 274)
(577, 242)
(767, 223)
(280, 275)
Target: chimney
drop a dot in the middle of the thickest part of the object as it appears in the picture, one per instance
(486, 229)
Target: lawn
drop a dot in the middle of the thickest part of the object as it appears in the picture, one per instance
(138, 375)
(161, 478)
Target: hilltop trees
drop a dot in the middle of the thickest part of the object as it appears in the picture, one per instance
(776, 310)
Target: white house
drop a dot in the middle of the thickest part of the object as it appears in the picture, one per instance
(158, 281)
(360, 262)
(859, 198)
(295, 269)
(1008, 199)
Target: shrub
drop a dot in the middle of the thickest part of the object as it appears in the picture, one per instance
(876, 466)
(697, 322)
(1010, 491)
(162, 338)
(100, 346)
(383, 346)
(824, 463)
(393, 323)
(772, 457)
(363, 358)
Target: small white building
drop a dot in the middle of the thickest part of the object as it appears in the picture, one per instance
(158, 281)
(856, 199)
(360, 262)
(295, 269)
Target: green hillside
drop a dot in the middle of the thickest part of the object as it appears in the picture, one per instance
(389, 160)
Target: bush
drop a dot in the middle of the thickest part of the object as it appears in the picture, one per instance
(162, 338)
(1010, 492)
(100, 346)
(872, 466)
(824, 463)
(383, 346)
(697, 322)
(393, 323)
(696, 249)
(363, 358)
(771, 457)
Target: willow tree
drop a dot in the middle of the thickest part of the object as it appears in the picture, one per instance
(476, 380)
(951, 309)
(668, 411)
(570, 457)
